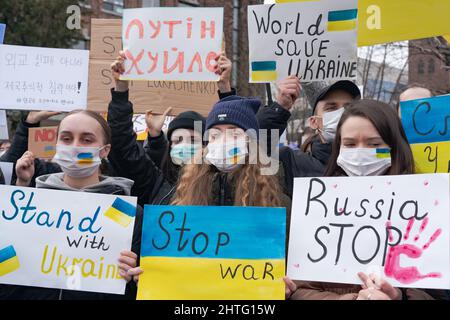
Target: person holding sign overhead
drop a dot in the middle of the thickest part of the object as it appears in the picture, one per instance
(84, 139)
(370, 141)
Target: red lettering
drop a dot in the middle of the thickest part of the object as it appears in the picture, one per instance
(156, 28)
(134, 61)
(138, 24)
(212, 29)
(171, 25)
(197, 59)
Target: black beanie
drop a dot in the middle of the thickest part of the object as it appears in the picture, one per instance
(185, 120)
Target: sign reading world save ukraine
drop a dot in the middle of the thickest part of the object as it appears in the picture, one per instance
(315, 41)
(212, 253)
(64, 239)
(427, 126)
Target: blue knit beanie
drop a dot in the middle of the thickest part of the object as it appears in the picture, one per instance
(235, 110)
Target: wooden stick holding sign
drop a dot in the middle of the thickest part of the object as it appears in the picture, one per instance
(397, 226)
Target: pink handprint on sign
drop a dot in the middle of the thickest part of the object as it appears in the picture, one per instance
(408, 275)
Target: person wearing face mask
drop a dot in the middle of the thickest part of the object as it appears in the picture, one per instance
(370, 141)
(328, 108)
(84, 139)
(229, 172)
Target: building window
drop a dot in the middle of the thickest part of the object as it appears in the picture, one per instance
(113, 6)
(421, 67)
(431, 66)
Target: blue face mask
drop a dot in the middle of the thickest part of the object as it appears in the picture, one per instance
(184, 152)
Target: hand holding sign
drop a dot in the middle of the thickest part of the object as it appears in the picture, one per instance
(223, 69)
(377, 288)
(288, 92)
(118, 68)
(35, 117)
(25, 169)
(155, 123)
(127, 261)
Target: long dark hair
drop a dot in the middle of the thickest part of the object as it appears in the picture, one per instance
(388, 124)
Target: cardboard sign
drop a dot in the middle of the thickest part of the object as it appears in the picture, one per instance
(427, 127)
(42, 141)
(315, 41)
(7, 169)
(106, 35)
(383, 21)
(212, 253)
(397, 226)
(172, 43)
(2, 32)
(76, 238)
(34, 78)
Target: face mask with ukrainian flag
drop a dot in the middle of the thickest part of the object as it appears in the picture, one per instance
(364, 161)
(227, 156)
(78, 162)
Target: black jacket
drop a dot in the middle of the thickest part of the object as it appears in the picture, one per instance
(14, 292)
(299, 164)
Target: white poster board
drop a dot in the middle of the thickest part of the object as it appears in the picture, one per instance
(4, 135)
(63, 239)
(342, 225)
(33, 78)
(7, 169)
(172, 43)
(315, 40)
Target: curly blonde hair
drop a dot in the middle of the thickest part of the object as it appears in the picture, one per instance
(252, 188)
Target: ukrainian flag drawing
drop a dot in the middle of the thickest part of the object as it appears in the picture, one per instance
(85, 158)
(121, 212)
(229, 253)
(342, 20)
(383, 153)
(49, 151)
(8, 260)
(264, 71)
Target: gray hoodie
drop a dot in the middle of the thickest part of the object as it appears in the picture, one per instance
(107, 185)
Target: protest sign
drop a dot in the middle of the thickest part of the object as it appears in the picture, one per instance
(34, 78)
(427, 127)
(383, 21)
(106, 42)
(6, 170)
(2, 32)
(140, 126)
(42, 141)
(212, 253)
(315, 41)
(172, 43)
(3, 126)
(396, 226)
(64, 239)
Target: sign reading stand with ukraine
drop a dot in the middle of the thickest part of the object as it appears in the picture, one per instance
(63, 239)
(212, 253)
(315, 41)
(427, 127)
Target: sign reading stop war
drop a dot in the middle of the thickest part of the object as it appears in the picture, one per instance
(212, 253)
(106, 42)
(427, 127)
(34, 78)
(172, 43)
(397, 226)
(315, 41)
(42, 141)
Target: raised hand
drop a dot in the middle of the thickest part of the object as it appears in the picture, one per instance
(288, 92)
(25, 169)
(411, 274)
(156, 122)
(118, 68)
(35, 117)
(223, 68)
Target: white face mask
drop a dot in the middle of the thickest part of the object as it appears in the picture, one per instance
(227, 157)
(364, 161)
(78, 162)
(330, 122)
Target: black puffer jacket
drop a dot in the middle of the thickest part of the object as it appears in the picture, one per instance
(13, 292)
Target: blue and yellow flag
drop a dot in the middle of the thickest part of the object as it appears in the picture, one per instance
(9, 261)
(121, 212)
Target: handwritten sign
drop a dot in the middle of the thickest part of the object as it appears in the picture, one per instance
(2, 32)
(397, 226)
(383, 21)
(212, 253)
(314, 40)
(42, 141)
(106, 42)
(172, 43)
(427, 127)
(43, 79)
(63, 239)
